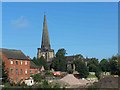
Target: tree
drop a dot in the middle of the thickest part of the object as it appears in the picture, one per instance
(43, 62)
(37, 77)
(118, 65)
(79, 56)
(104, 65)
(81, 68)
(55, 64)
(114, 65)
(35, 61)
(4, 73)
(93, 65)
(93, 61)
(59, 63)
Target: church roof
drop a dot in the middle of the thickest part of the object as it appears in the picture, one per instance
(45, 36)
(14, 54)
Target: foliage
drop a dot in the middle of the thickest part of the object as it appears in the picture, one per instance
(48, 73)
(113, 65)
(35, 60)
(91, 76)
(40, 62)
(119, 65)
(104, 65)
(93, 61)
(59, 63)
(79, 56)
(4, 73)
(43, 62)
(37, 77)
(93, 65)
(81, 68)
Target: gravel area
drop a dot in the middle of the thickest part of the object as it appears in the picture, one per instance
(71, 80)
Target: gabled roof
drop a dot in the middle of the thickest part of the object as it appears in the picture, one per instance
(33, 65)
(14, 54)
(70, 58)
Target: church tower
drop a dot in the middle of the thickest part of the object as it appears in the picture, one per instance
(45, 49)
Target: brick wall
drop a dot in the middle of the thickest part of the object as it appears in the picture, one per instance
(17, 69)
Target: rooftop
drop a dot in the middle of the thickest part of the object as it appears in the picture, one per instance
(13, 54)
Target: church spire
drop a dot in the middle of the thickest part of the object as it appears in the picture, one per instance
(45, 36)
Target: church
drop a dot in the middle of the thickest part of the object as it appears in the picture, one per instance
(45, 49)
(48, 53)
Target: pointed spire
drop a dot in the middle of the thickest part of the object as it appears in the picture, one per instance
(45, 36)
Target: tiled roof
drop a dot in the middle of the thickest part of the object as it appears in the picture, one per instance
(13, 54)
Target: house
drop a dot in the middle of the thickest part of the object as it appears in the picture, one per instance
(34, 69)
(17, 65)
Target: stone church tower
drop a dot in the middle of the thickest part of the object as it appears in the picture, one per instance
(45, 49)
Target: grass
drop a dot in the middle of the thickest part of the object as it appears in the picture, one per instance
(91, 76)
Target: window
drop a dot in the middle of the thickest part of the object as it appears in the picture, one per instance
(25, 62)
(11, 62)
(16, 62)
(21, 71)
(21, 62)
(16, 79)
(16, 71)
(26, 71)
(30, 71)
(11, 71)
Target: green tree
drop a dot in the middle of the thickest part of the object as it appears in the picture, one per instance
(43, 62)
(118, 65)
(4, 73)
(104, 65)
(81, 68)
(55, 64)
(37, 77)
(93, 65)
(79, 56)
(114, 65)
(59, 63)
(35, 61)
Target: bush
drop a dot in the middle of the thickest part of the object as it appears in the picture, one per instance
(37, 78)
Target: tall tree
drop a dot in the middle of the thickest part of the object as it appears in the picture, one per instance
(104, 65)
(35, 60)
(4, 73)
(118, 65)
(59, 62)
(93, 65)
(81, 68)
(43, 62)
(114, 65)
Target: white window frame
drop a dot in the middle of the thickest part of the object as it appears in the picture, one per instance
(26, 71)
(11, 62)
(21, 62)
(26, 62)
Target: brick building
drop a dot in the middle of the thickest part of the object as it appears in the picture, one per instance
(17, 64)
(33, 68)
